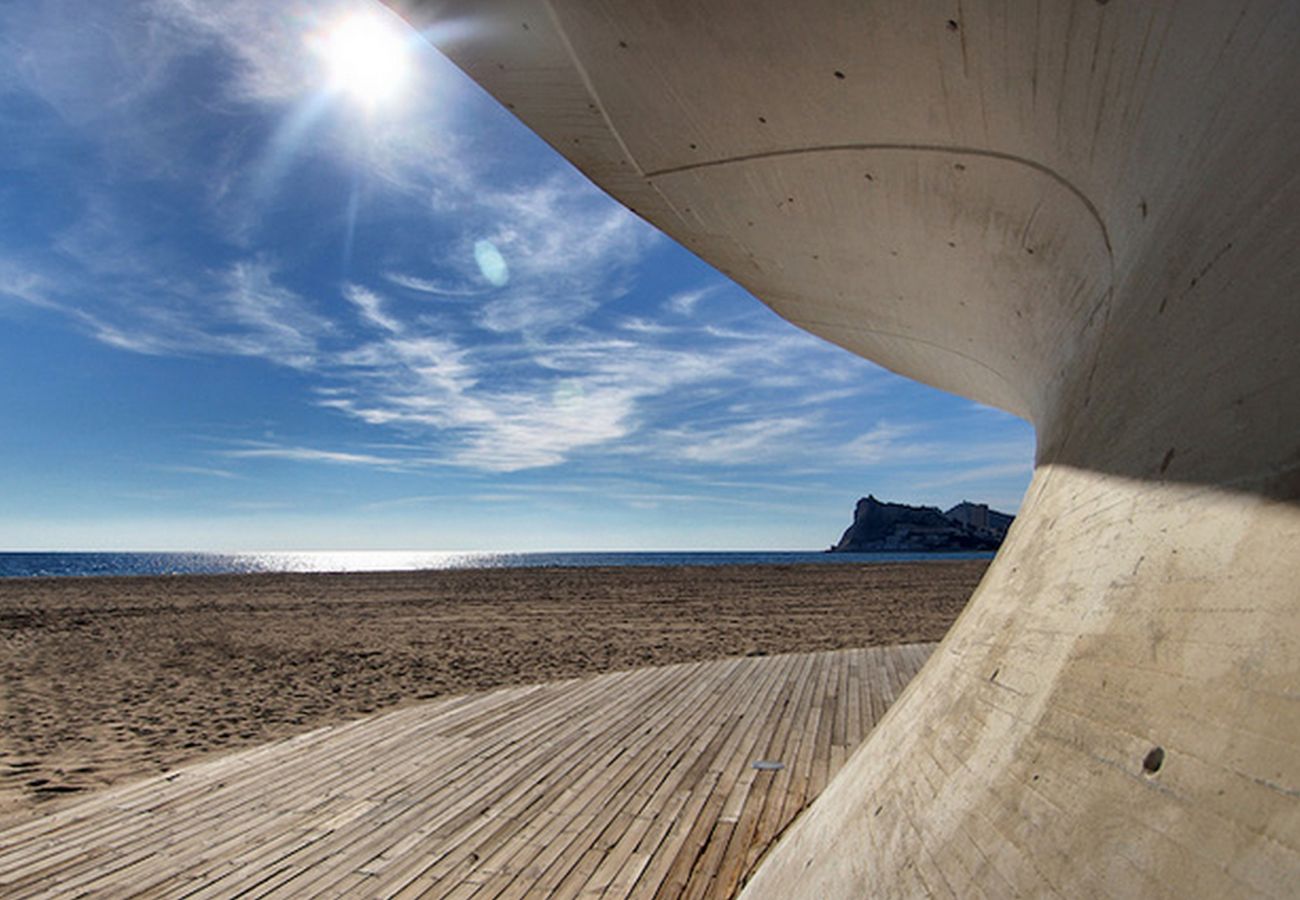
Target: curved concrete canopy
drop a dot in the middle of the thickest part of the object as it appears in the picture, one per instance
(1086, 213)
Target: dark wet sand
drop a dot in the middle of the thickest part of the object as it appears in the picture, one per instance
(109, 679)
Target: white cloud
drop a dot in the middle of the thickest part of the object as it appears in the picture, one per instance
(242, 311)
(1020, 468)
(398, 502)
(884, 441)
(513, 406)
(27, 287)
(199, 470)
(272, 321)
(257, 41)
(645, 326)
(430, 286)
(372, 308)
(310, 454)
(563, 243)
(684, 303)
(741, 443)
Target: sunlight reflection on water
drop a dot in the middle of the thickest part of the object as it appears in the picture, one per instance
(43, 565)
(367, 561)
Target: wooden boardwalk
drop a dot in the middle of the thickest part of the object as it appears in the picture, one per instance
(632, 784)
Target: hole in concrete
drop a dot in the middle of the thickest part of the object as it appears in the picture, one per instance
(839, 75)
(693, 147)
(1154, 760)
(878, 810)
(762, 121)
(952, 25)
(960, 167)
(623, 44)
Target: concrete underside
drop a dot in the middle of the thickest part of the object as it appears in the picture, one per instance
(1085, 213)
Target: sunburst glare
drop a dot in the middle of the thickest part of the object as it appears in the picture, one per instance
(367, 57)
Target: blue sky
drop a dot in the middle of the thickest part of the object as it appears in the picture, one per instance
(244, 307)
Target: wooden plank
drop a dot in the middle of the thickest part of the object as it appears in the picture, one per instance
(467, 820)
(757, 717)
(821, 750)
(341, 756)
(672, 742)
(191, 786)
(692, 769)
(669, 867)
(789, 738)
(856, 731)
(660, 811)
(702, 821)
(232, 821)
(628, 784)
(669, 810)
(609, 735)
(737, 859)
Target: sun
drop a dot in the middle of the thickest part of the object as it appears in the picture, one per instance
(367, 58)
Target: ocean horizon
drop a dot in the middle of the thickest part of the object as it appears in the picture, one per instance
(69, 564)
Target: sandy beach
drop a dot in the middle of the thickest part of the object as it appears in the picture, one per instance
(110, 679)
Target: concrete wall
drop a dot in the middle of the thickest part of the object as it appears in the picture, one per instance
(1086, 213)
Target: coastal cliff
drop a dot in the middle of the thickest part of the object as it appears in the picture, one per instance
(898, 527)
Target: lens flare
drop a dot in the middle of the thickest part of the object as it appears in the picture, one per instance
(491, 264)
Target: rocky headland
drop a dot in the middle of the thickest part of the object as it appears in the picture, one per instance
(879, 526)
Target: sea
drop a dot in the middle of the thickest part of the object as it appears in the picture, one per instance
(68, 564)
